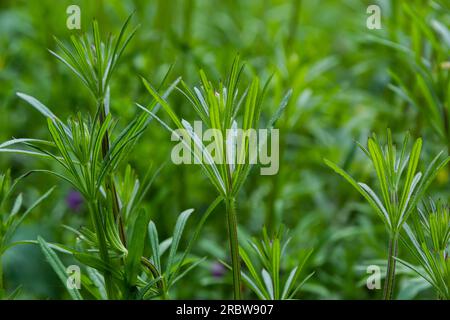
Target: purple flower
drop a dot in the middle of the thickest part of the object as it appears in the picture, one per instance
(217, 270)
(74, 200)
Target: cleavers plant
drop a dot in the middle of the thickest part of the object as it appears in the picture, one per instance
(264, 261)
(90, 152)
(428, 240)
(220, 108)
(402, 186)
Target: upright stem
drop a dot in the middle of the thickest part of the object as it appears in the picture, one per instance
(390, 273)
(234, 246)
(109, 181)
(103, 248)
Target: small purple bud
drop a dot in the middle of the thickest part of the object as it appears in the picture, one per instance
(74, 200)
(217, 270)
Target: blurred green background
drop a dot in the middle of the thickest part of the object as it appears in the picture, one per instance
(321, 49)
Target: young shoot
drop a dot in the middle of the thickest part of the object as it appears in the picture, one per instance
(401, 185)
(428, 240)
(222, 108)
(264, 259)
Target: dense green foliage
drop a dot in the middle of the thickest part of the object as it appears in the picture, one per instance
(86, 176)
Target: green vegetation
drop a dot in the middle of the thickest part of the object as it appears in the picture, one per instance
(93, 205)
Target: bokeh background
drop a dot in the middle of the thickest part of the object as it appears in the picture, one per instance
(342, 76)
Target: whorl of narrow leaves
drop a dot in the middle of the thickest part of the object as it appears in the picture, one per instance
(166, 277)
(402, 185)
(94, 61)
(428, 240)
(76, 147)
(265, 276)
(434, 222)
(220, 108)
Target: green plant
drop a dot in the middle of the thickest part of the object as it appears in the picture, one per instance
(11, 219)
(94, 63)
(402, 187)
(263, 259)
(76, 148)
(151, 282)
(169, 275)
(59, 268)
(219, 108)
(90, 155)
(428, 240)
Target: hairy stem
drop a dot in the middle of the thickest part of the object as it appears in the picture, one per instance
(234, 246)
(390, 272)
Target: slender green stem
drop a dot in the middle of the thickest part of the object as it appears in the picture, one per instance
(164, 293)
(234, 246)
(109, 180)
(390, 273)
(103, 249)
